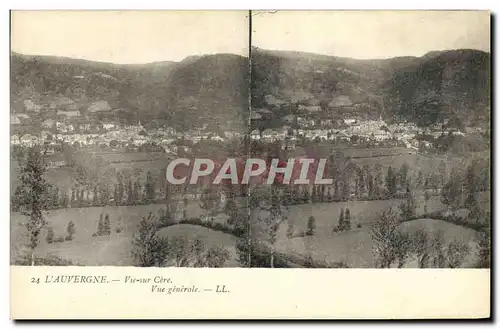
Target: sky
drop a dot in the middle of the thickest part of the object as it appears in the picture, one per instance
(371, 34)
(129, 37)
(134, 37)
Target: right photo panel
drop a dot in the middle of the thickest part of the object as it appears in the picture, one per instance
(375, 129)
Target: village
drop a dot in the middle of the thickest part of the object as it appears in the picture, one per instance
(72, 127)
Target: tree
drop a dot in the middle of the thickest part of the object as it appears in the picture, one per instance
(33, 196)
(290, 229)
(50, 235)
(308, 261)
(245, 250)
(274, 219)
(377, 181)
(402, 176)
(120, 190)
(344, 184)
(70, 229)
(231, 211)
(442, 172)
(370, 186)
(347, 220)
(306, 195)
(104, 195)
(456, 252)
(216, 256)
(311, 225)
(73, 197)
(100, 225)
(314, 195)
(390, 183)
(483, 242)
(421, 247)
(329, 194)
(471, 184)
(207, 202)
(95, 200)
(385, 238)
(130, 193)
(471, 200)
(408, 207)
(64, 200)
(106, 225)
(149, 188)
(420, 179)
(360, 182)
(427, 197)
(451, 192)
(54, 202)
(184, 253)
(438, 250)
(168, 191)
(336, 189)
(402, 247)
(115, 195)
(136, 191)
(341, 224)
(149, 249)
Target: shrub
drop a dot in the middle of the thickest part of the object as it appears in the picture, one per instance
(50, 235)
(70, 229)
(290, 230)
(311, 225)
(49, 260)
(456, 253)
(58, 239)
(106, 225)
(216, 256)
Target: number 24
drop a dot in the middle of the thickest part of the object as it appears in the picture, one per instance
(35, 280)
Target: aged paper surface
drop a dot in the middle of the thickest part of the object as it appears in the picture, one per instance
(324, 164)
(253, 294)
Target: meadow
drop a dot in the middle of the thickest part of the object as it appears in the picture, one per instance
(114, 249)
(353, 247)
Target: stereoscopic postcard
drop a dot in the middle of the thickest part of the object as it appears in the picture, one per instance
(250, 164)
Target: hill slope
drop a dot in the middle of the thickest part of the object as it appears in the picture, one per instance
(422, 89)
(196, 89)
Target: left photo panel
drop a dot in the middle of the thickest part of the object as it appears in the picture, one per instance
(120, 123)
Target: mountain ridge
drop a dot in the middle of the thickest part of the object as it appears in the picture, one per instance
(213, 88)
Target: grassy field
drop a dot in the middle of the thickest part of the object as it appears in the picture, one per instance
(327, 214)
(101, 250)
(450, 232)
(142, 162)
(207, 236)
(353, 247)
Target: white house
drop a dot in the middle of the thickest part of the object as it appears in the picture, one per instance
(108, 126)
(14, 120)
(14, 140)
(255, 134)
(69, 114)
(99, 106)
